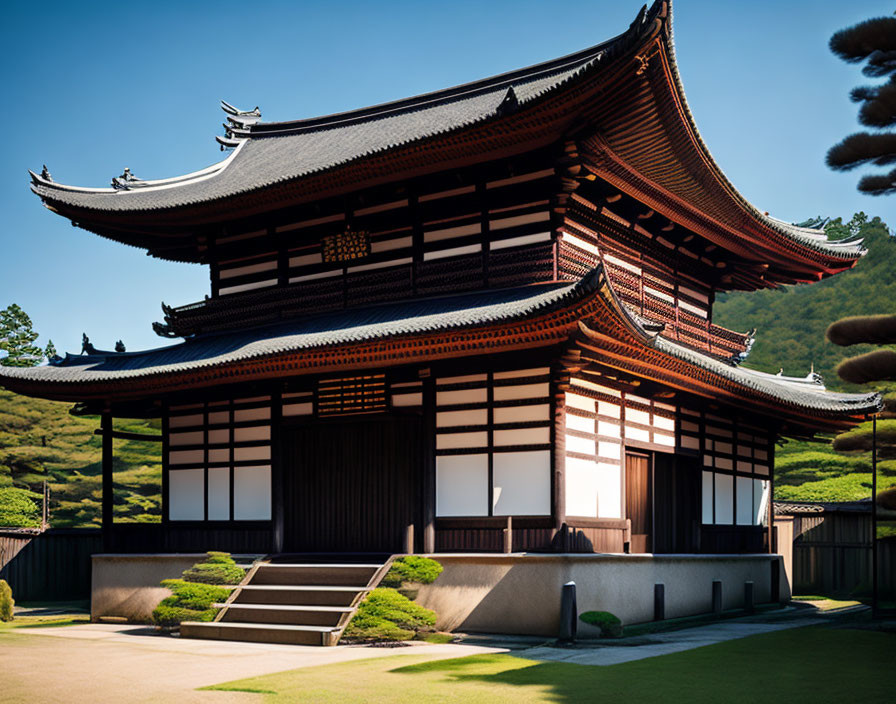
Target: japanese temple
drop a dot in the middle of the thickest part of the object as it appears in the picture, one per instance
(475, 320)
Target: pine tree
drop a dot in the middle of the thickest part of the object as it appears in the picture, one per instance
(873, 40)
(17, 339)
(50, 350)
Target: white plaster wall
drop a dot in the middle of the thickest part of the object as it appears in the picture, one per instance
(520, 594)
(127, 586)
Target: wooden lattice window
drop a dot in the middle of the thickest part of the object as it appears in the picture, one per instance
(346, 246)
(353, 394)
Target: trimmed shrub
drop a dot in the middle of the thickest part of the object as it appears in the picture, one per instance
(386, 615)
(190, 601)
(17, 510)
(412, 568)
(6, 601)
(217, 568)
(193, 596)
(609, 624)
(168, 614)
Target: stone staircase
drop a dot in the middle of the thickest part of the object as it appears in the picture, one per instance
(294, 599)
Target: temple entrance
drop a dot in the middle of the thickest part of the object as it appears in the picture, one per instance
(351, 485)
(639, 501)
(662, 495)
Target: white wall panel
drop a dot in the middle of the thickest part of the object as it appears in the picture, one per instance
(707, 498)
(605, 408)
(451, 441)
(760, 501)
(507, 393)
(724, 499)
(584, 446)
(522, 483)
(609, 450)
(462, 485)
(219, 455)
(744, 512)
(583, 403)
(257, 433)
(449, 398)
(251, 414)
(581, 487)
(522, 414)
(609, 490)
(252, 493)
(586, 425)
(609, 429)
(219, 494)
(185, 421)
(242, 454)
(194, 438)
(186, 495)
(298, 409)
(186, 456)
(448, 419)
(405, 400)
(523, 436)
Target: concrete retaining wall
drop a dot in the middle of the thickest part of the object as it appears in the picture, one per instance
(127, 586)
(520, 594)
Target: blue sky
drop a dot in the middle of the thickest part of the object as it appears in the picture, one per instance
(91, 87)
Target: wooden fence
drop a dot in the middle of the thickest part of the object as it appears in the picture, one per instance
(832, 554)
(51, 566)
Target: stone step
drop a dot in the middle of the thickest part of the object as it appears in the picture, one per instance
(344, 575)
(317, 595)
(260, 632)
(294, 615)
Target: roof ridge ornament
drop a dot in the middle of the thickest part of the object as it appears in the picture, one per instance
(126, 181)
(45, 174)
(86, 346)
(237, 126)
(233, 110)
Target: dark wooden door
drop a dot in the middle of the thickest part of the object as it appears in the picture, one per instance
(639, 501)
(351, 486)
(676, 502)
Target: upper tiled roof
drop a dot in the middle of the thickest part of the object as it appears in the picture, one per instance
(276, 152)
(271, 154)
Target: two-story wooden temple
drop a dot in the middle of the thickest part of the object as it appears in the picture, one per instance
(430, 315)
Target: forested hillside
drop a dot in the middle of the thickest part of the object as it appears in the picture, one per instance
(40, 440)
(791, 321)
(791, 324)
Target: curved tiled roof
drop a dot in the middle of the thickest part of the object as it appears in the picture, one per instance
(272, 153)
(416, 316)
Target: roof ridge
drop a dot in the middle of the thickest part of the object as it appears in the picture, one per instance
(462, 90)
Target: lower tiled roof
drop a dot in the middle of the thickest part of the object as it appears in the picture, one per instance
(322, 330)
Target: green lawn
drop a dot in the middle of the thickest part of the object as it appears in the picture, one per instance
(816, 664)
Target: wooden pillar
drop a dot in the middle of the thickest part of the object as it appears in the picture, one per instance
(770, 507)
(429, 465)
(278, 505)
(558, 459)
(107, 505)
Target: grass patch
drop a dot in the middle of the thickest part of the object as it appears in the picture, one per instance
(815, 663)
(824, 603)
(44, 621)
(437, 638)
